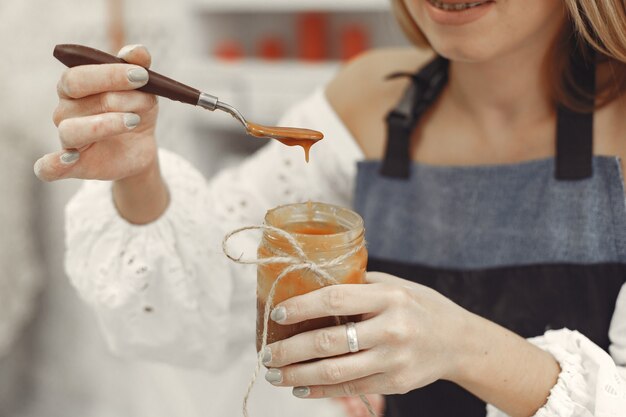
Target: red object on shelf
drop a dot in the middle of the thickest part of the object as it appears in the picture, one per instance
(312, 36)
(229, 50)
(354, 40)
(271, 48)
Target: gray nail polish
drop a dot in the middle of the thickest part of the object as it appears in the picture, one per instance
(138, 75)
(279, 314)
(274, 376)
(131, 120)
(301, 392)
(69, 157)
(267, 355)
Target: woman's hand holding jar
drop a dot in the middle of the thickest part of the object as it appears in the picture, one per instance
(106, 130)
(407, 339)
(410, 337)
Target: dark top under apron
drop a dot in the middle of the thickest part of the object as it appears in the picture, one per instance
(532, 246)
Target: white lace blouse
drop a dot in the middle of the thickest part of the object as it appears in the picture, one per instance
(165, 292)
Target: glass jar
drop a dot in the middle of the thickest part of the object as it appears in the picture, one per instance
(324, 232)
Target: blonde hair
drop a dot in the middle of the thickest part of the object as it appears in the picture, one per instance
(599, 23)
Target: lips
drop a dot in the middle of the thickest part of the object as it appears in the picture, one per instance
(456, 6)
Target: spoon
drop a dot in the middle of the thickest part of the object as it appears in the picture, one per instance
(75, 55)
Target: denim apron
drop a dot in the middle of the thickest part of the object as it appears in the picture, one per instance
(531, 246)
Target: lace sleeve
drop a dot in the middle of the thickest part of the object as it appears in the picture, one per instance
(164, 291)
(591, 383)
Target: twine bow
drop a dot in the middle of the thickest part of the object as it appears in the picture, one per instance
(298, 262)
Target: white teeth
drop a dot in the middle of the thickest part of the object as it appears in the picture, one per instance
(455, 6)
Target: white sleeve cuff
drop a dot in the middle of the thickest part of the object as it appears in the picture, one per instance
(589, 384)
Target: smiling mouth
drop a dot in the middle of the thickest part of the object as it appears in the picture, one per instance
(457, 7)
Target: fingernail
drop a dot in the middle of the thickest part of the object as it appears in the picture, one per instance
(70, 157)
(138, 75)
(127, 50)
(301, 392)
(267, 355)
(37, 167)
(131, 120)
(274, 376)
(279, 314)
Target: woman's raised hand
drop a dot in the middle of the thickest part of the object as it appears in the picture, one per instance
(106, 128)
(409, 338)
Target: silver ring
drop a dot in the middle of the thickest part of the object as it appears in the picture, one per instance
(353, 341)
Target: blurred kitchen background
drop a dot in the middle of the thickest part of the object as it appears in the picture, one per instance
(259, 55)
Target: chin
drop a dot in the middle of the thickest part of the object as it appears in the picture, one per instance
(465, 50)
(492, 28)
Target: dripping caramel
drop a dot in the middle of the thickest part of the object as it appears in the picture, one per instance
(290, 136)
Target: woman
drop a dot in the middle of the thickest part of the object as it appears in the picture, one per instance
(486, 197)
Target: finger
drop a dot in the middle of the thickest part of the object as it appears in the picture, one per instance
(382, 278)
(57, 165)
(351, 406)
(323, 343)
(136, 54)
(118, 159)
(355, 407)
(114, 101)
(86, 80)
(334, 300)
(398, 283)
(327, 371)
(374, 384)
(81, 131)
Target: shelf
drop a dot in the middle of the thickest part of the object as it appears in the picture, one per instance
(231, 6)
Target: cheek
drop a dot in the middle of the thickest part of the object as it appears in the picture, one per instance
(509, 25)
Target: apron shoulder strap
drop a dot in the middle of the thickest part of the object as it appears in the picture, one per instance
(574, 135)
(574, 141)
(424, 89)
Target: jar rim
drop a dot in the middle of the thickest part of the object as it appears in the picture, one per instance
(315, 211)
(351, 220)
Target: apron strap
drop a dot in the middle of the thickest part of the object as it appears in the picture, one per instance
(574, 134)
(574, 141)
(424, 89)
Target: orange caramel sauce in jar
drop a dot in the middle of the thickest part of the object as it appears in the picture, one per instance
(324, 232)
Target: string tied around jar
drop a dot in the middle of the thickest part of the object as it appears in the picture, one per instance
(298, 262)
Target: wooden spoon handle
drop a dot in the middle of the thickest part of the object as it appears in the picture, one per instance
(74, 55)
